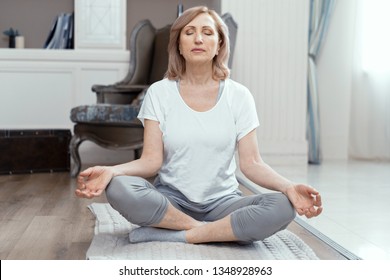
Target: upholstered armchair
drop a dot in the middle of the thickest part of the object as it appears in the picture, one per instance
(112, 122)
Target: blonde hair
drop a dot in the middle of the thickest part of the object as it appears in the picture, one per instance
(176, 62)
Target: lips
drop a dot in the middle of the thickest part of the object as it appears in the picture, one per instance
(197, 50)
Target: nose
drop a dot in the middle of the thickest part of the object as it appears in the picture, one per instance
(199, 38)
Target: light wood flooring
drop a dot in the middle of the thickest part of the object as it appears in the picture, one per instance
(42, 219)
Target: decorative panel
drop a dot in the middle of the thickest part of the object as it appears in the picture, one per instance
(100, 24)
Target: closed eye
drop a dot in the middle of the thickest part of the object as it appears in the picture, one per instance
(205, 30)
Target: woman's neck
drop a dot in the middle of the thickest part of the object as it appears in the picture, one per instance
(198, 75)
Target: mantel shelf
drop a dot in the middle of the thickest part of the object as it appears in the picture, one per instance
(67, 55)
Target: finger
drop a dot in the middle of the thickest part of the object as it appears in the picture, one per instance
(83, 194)
(80, 193)
(81, 179)
(319, 210)
(89, 195)
(312, 210)
(313, 191)
(86, 173)
(81, 186)
(308, 215)
(97, 192)
(300, 212)
(77, 193)
(318, 201)
(315, 214)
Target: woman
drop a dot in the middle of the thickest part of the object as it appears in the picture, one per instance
(194, 121)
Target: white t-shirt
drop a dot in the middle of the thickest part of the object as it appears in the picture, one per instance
(199, 147)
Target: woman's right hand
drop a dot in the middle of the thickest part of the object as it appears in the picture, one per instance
(93, 181)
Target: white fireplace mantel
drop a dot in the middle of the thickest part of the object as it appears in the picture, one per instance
(39, 87)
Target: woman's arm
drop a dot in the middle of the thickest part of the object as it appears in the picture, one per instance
(94, 180)
(305, 199)
(255, 169)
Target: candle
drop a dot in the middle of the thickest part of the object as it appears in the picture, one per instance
(19, 42)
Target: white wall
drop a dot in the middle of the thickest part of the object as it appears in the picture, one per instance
(271, 60)
(335, 80)
(334, 71)
(334, 66)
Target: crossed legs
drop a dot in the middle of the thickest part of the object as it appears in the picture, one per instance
(197, 231)
(240, 219)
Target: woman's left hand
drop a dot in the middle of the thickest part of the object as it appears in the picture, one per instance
(305, 199)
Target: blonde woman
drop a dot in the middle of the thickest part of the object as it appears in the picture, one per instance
(195, 120)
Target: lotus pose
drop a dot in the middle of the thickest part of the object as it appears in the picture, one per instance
(195, 120)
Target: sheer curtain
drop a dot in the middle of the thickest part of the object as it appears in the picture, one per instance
(320, 13)
(370, 104)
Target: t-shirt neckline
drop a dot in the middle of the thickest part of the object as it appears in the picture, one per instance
(220, 95)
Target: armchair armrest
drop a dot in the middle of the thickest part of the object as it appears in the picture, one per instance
(118, 94)
(119, 88)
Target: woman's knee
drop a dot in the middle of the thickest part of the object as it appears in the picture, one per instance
(123, 193)
(269, 214)
(120, 188)
(284, 208)
(277, 206)
(136, 200)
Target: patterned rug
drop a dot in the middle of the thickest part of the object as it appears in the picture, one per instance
(111, 242)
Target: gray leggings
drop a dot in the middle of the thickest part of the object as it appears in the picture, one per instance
(254, 217)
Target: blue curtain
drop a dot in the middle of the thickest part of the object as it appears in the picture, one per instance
(320, 12)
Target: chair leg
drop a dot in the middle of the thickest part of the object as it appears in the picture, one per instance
(74, 152)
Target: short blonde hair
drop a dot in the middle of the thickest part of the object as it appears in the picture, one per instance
(176, 62)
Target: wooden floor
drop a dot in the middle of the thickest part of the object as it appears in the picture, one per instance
(42, 219)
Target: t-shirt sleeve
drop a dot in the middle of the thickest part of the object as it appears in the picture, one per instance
(150, 108)
(246, 115)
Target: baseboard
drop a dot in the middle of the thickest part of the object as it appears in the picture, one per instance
(337, 247)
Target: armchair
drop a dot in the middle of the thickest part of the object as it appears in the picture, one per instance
(112, 123)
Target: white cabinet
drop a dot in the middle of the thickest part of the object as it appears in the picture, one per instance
(39, 87)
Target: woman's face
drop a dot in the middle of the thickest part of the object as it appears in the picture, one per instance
(199, 41)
